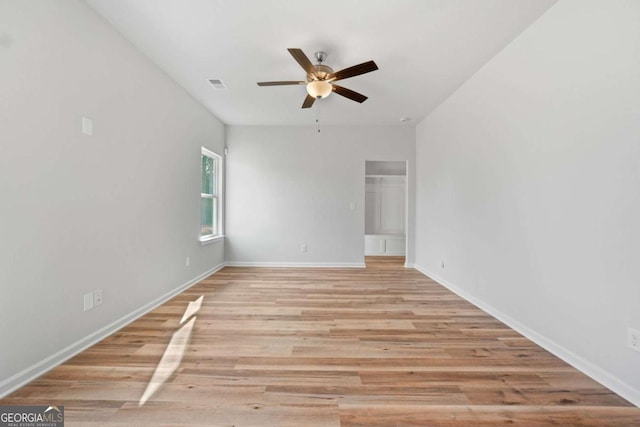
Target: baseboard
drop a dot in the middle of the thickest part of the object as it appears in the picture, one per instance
(385, 254)
(593, 371)
(16, 381)
(297, 264)
(409, 265)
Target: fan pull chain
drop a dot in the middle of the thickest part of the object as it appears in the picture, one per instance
(318, 116)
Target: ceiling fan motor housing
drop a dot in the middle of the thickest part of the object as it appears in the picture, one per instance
(321, 73)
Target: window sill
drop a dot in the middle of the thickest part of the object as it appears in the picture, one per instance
(211, 239)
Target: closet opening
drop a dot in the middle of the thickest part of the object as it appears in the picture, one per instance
(385, 208)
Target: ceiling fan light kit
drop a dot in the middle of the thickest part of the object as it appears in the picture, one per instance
(319, 88)
(320, 78)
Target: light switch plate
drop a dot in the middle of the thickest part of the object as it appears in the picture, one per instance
(88, 301)
(87, 126)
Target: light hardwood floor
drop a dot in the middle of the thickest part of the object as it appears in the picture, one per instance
(381, 346)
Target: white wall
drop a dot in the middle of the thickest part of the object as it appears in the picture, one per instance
(118, 211)
(291, 185)
(528, 187)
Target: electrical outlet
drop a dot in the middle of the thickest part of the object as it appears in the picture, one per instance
(97, 297)
(303, 247)
(441, 263)
(633, 339)
(187, 261)
(88, 301)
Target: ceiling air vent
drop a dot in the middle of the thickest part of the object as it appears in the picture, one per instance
(217, 84)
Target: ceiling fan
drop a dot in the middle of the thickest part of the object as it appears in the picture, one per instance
(320, 78)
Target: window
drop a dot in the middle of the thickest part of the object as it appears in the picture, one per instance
(210, 195)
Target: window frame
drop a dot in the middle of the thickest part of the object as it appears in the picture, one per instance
(217, 196)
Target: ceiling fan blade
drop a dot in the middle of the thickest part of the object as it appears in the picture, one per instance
(308, 101)
(282, 83)
(348, 93)
(356, 70)
(303, 60)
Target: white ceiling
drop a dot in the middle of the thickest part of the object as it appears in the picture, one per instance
(425, 50)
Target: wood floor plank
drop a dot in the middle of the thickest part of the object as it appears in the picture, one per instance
(381, 346)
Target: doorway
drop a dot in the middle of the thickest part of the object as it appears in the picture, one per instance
(385, 208)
